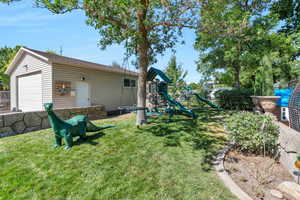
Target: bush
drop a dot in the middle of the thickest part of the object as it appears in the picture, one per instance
(253, 133)
(234, 99)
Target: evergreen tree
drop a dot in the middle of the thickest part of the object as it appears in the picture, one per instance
(177, 75)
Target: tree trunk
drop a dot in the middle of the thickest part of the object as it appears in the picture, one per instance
(237, 67)
(237, 77)
(143, 61)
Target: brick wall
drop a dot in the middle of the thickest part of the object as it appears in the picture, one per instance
(19, 123)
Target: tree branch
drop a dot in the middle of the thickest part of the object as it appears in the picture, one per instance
(180, 25)
(113, 21)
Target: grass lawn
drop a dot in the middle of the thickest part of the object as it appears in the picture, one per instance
(159, 161)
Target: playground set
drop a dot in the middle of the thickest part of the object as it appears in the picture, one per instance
(159, 101)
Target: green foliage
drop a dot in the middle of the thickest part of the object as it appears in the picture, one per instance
(253, 133)
(177, 74)
(289, 12)
(6, 56)
(264, 79)
(230, 33)
(194, 86)
(51, 52)
(234, 99)
(235, 39)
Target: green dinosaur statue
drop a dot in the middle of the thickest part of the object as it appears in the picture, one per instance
(67, 129)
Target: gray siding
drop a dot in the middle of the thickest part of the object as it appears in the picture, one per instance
(106, 88)
(34, 64)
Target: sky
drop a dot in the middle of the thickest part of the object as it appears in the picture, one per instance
(36, 28)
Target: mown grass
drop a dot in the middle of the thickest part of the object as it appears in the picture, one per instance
(162, 160)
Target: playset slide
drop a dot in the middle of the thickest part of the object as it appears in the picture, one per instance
(175, 103)
(199, 98)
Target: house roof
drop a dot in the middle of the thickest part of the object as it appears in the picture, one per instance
(53, 58)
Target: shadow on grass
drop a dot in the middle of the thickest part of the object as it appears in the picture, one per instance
(199, 133)
(90, 139)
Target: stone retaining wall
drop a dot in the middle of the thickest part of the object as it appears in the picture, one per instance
(289, 141)
(22, 122)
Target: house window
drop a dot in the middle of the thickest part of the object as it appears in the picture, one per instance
(132, 83)
(126, 82)
(129, 83)
(284, 116)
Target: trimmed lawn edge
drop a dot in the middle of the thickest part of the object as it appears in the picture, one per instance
(218, 164)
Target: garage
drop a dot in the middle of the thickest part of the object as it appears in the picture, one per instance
(30, 92)
(38, 77)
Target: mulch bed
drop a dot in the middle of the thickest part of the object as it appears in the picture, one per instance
(256, 175)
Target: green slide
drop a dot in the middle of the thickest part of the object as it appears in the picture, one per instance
(175, 103)
(199, 98)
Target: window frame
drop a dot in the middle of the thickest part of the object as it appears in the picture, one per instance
(130, 83)
(134, 83)
(124, 86)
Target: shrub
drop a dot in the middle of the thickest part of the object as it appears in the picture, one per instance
(253, 133)
(234, 99)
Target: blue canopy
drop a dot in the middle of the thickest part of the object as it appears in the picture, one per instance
(285, 96)
(153, 72)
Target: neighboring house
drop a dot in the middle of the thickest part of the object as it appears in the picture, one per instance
(37, 77)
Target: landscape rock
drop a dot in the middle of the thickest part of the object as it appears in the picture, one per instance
(290, 188)
(19, 127)
(32, 129)
(31, 119)
(45, 123)
(6, 131)
(1, 121)
(42, 114)
(12, 118)
(2, 135)
(276, 193)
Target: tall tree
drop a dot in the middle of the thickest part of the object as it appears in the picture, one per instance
(6, 56)
(145, 28)
(177, 74)
(228, 30)
(236, 38)
(288, 12)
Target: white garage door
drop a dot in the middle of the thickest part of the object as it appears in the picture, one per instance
(30, 92)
